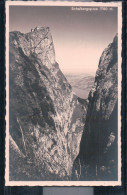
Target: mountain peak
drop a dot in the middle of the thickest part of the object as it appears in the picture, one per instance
(49, 115)
(38, 42)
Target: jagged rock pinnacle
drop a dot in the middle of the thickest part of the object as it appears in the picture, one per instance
(37, 42)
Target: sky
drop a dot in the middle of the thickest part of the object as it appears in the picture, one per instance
(79, 36)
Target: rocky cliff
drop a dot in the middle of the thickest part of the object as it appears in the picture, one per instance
(97, 159)
(46, 117)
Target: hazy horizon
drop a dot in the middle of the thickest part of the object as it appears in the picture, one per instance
(79, 36)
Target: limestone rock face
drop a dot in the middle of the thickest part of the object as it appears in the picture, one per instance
(98, 148)
(46, 117)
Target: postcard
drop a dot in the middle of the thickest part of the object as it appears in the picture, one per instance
(63, 93)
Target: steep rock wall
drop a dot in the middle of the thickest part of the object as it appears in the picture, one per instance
(46, 117)
(97, 159)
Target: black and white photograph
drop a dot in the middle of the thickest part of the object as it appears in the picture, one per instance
(63, 93)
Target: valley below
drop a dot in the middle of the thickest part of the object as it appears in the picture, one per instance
(81, 83)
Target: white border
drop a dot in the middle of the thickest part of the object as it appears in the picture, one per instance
(64, 183)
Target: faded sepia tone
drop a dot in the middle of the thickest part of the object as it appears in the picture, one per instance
(63, 110)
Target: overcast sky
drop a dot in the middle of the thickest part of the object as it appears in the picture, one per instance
(79, 36)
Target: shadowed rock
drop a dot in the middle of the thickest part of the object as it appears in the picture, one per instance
(98, 148)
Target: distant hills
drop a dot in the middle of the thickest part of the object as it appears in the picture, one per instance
(81, 83)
